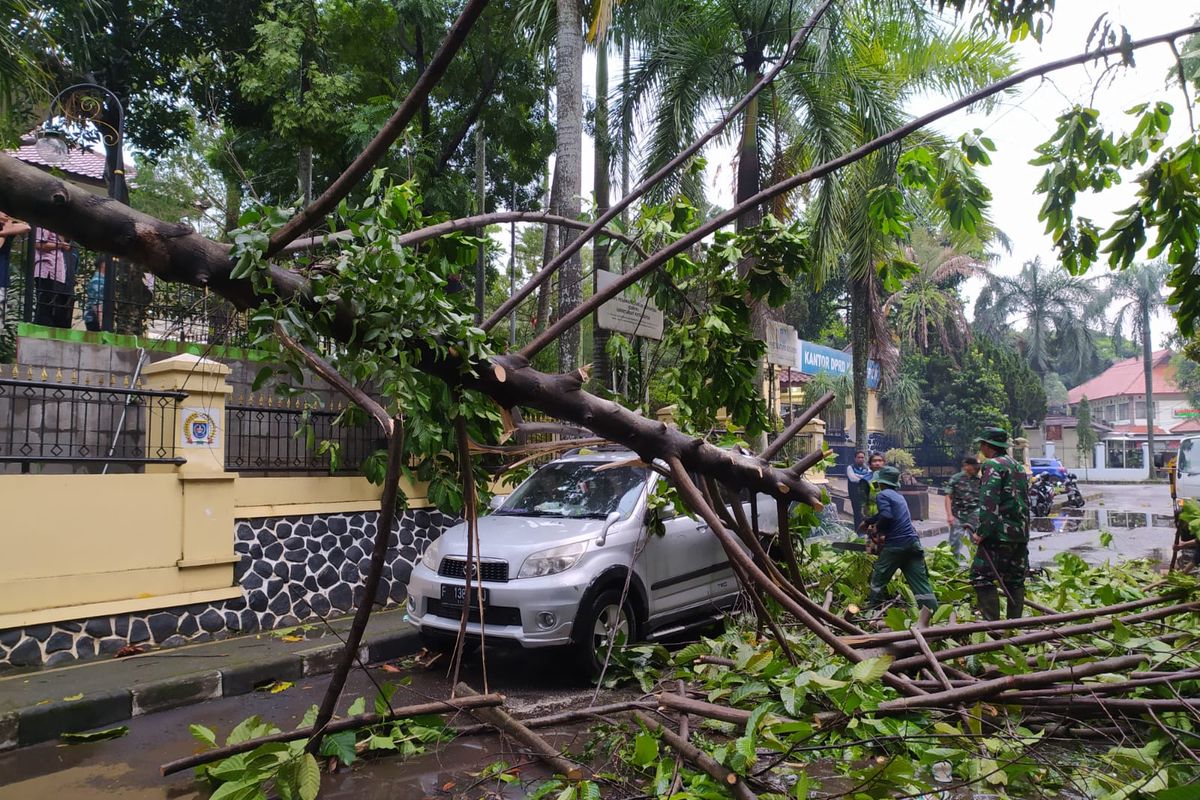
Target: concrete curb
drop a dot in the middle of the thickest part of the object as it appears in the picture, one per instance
(33, 724)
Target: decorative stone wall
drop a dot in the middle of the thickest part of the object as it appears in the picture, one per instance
(292, 570)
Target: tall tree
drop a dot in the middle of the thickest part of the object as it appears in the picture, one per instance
(568, 164)
(1138, 294)
(1085, 434)
(1045, 304)
(929, 302)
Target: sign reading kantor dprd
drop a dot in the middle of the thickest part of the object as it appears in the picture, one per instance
(625, 315)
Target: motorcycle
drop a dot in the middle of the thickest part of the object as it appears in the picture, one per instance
(1041, 496)
(1071, 487)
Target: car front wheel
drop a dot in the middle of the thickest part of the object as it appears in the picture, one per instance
(607, 618)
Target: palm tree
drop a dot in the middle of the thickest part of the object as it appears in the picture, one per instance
(1048, 306)
(1138, 293)
(847, 85)
(929, 302)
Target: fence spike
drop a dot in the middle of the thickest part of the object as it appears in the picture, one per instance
(125, 382)
(29, 373)
(15, 372)
(45, 377)
(74, 376)
(58, 376)
(112, 379)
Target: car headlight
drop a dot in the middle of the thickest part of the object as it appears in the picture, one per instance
(432, 556)
(552, 561)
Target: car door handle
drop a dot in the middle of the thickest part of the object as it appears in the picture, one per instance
(703, 526)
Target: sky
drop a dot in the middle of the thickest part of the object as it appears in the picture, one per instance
(1023, 120)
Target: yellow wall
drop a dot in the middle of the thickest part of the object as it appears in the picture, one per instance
(86, 545)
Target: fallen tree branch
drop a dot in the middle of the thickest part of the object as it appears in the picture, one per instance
(697, 757)
(335, 726)
(617, 208)
(564, 717)
(912, 662)
(503, 722)
(660, 257)
(311, 215)
(796, 426)
(461, 224)
(362, 614)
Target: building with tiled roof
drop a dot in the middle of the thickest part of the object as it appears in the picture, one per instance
(83, 166)
(1118, 397)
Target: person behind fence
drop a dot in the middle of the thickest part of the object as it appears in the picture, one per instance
(897, 544)
(856, 474)
(1002, 534)
(10, 229)
(962, 504)
(93, 309)
(52, 279)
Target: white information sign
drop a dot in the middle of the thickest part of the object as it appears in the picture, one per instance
(634, 317)
(783, 344)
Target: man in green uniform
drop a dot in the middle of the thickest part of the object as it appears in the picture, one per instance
(1002, 534)
(962, 504)
(875, 463)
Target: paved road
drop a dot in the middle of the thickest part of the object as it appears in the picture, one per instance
(1138, 516)
(129, 767)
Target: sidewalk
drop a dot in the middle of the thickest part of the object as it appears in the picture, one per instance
(36, 706)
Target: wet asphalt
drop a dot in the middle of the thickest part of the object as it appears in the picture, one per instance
(1138, 517)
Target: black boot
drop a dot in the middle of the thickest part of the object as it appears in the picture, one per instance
(989, 601)
(1016, 601)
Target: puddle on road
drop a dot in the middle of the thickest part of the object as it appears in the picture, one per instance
(1082, 519)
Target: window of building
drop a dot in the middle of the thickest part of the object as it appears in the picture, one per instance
(1122, 411)
(1123, 454)
(1139, 409)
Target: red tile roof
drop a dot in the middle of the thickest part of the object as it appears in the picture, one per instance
(1187, 426)
(83, 164)
(1127, 378)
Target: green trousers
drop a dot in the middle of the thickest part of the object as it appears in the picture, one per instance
(910, 560)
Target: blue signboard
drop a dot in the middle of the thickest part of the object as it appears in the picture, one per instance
(816, 359)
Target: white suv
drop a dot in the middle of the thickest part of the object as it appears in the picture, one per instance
(554, 558)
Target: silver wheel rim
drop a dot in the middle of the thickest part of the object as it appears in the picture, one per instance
(611, 618)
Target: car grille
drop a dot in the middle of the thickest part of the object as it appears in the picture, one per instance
(492, 615)
(490, 571)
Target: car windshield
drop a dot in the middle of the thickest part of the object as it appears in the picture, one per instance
(577, 489)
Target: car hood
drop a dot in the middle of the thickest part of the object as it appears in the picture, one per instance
(513, 538)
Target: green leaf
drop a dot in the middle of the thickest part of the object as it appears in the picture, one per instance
(357, 707)
(239, 790)
(309, 777)
(341, 746)
(871, 670)
(100, 736)
(204, 735)
(645, 749)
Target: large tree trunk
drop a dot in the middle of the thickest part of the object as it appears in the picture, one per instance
(1148, 369)
(481, 202)
(603, 164)
(748, 181)
(567, 165)
(860, 342)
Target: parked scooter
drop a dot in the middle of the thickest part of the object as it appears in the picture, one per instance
(1071, 487)
(1041, 496)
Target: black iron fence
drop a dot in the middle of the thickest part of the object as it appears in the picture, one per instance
(281, 439)
(123, 300)
(42, 422)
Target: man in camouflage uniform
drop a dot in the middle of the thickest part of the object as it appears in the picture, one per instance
(962, 504)
(1002, 534)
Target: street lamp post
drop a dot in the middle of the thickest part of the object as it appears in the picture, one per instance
(77, 106)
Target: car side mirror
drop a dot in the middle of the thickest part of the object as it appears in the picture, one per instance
(612, 517)
(497, 501)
